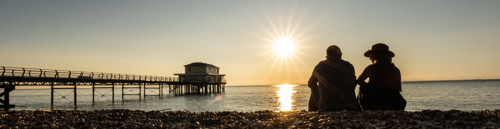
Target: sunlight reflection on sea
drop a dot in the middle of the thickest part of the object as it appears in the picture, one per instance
(285, 96)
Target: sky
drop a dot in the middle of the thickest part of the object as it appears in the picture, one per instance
(432, 40)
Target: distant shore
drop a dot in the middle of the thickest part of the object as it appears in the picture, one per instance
(451, 80)
(258, 119)
(421, 81)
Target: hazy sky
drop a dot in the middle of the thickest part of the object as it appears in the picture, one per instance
(432, 40)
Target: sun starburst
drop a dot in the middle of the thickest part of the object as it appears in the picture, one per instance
(284, 47)
(285, 36)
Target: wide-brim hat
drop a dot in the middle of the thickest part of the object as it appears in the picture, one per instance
(379, 48)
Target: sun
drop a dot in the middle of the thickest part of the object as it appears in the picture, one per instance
(284, 47)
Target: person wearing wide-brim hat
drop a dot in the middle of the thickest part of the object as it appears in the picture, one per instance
(382, 92)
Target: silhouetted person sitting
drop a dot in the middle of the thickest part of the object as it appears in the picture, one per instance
(382, 90)
(337, 82)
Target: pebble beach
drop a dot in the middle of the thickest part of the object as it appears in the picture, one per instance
(126, 119)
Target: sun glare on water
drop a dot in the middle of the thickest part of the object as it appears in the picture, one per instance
(285, 97)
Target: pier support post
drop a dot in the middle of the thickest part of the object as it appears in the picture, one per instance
(75, 93)
(6, 95)
(52, 94)
(200, 89)
(113, 90)
(123, 92)
(206, 89)
(139, 91)
(144, 90)
(93, 92)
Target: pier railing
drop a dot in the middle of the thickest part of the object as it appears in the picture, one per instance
(67, 74)
(84, 75)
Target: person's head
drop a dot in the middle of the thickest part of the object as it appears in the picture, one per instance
(379, 53)
(333, 51)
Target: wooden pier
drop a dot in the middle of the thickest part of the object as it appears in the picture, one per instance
(12, 77)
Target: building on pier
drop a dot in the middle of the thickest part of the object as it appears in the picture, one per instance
(201, 72)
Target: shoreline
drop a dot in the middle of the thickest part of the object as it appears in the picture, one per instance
(124, 118)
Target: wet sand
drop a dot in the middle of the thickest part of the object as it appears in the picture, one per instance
(259, 119)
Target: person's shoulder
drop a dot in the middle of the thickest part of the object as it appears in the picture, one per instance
(323, 62)
(369, 66)
(345, 62)
(394, 65)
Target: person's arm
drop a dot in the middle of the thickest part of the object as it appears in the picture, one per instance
(363, 76)
(313, 83)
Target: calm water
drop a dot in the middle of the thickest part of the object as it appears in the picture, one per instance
(464, 95)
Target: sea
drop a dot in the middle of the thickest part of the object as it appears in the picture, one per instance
(438, 95)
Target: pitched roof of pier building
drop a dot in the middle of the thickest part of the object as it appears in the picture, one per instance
(200, 64)
(200, 68)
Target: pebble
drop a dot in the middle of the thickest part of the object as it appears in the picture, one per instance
(124, 118)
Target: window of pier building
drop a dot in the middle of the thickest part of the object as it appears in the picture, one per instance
(189, 69)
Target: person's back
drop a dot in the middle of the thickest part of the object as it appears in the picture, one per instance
(337, 82)
(382, 91)
(385, 75)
